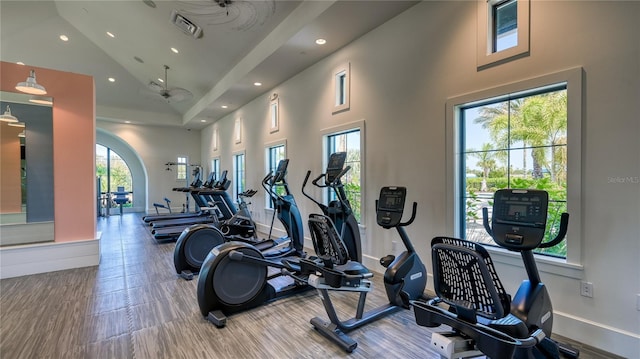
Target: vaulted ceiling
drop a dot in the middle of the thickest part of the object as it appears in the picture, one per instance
(241, 43)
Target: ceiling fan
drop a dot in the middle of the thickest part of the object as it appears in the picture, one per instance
(176, 94)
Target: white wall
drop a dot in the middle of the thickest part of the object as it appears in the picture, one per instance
(401, 76)
(156, 146)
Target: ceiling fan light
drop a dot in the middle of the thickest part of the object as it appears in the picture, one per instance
(7, 116)
(30, 86)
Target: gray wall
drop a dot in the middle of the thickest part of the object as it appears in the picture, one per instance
(402, 74)
(39, 158)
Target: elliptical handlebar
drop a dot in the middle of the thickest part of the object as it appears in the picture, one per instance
(304, 184)
(336, 180)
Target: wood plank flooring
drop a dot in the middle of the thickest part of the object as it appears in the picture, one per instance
(133, 305)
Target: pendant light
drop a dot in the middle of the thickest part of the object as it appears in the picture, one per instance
(31, 86)
(41, 100)
(16, 124)
(7, 116)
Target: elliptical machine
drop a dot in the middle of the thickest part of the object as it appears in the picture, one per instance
(235, 275)
(404, 279)
(338, 210)
(195, 242)
(472, 300)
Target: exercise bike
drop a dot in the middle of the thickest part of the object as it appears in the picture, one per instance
(405, 276)
(195, 242)
(472, 300)
(339, 209)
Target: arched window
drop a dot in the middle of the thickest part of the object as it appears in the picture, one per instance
(112, 172)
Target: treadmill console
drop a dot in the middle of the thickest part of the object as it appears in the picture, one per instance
(519, 218)
(335, 166)
(390, 206)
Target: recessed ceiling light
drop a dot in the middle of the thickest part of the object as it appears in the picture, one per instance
(64, 38)
(110, 34)
(203, 121)
(224, 106)
(321, 41)
(257, 83)
(20, 63)
(127, 121)
(174, 50)
(111, 79)
(160, 80)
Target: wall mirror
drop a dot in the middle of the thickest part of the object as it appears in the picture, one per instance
(26, 190)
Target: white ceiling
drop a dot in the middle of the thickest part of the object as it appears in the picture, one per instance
(263, 41)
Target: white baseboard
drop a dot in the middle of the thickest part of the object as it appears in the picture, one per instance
(17, 261)
(610, 339)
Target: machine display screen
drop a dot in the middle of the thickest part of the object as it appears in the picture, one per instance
(392, 199)
(335, 165)
(518, 210)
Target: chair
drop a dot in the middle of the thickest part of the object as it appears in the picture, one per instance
(121, 197)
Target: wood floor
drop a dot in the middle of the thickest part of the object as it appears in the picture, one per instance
(134, 306)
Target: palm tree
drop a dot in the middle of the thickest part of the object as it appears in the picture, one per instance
(486, 160)
(536, 121)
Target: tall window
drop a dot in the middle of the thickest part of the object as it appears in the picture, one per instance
(238, 174)
(113, 172)
(215, 167)
(181, 168)
(513, 141)
(350, 142)
(274, 154)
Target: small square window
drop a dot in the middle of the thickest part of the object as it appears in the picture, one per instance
(503, 31)
(505, 25)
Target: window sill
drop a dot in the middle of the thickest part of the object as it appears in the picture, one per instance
(556, 266)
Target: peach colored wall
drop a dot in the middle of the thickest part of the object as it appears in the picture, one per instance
(74, 132)
(10, 181)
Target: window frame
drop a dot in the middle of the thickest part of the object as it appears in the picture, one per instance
(336, 130)
(274, 114)
(215, 166)
(486, 56)
(342, 87)
(268, 147)
(184, 164)
(571, 266)
(236, 177)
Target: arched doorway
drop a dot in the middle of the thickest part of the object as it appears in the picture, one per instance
(131, 159)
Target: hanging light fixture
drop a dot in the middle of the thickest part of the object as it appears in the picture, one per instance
(31, 86)
(22, 134)
(16, 124)
(41, 100)
(7, 116)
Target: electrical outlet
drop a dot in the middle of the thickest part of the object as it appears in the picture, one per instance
(586, 289)
(394, 246)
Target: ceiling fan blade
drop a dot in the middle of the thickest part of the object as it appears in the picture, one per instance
(179, 94)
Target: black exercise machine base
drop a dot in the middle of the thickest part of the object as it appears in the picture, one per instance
(333, 333)
(217, 318)
(187, 274)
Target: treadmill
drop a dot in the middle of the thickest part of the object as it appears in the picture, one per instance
(197, 183)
